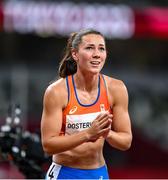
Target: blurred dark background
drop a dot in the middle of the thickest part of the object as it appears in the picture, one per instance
(33, 35)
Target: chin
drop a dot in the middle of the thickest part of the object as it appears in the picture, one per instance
(94, 72)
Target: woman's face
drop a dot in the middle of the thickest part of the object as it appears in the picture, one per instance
(91, 54)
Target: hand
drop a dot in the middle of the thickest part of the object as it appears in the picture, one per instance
(100, 126)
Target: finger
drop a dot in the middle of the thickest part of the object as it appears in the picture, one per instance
(103, 120)
(105, 124)
(110, 116)
(105, 130)
(101, 115)
(110, 120)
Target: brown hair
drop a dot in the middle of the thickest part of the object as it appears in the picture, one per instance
(68, 65)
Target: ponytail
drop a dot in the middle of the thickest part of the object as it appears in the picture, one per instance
(68, 65)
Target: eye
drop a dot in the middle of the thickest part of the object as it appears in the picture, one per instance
(89, 47)
(102, 49)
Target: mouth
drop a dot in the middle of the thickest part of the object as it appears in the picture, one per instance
(95, 63)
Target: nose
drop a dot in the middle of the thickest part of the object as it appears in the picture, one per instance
(96, 53)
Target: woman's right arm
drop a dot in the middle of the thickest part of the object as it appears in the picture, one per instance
(51, 123)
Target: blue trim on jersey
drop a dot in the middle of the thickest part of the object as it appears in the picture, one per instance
(67, 84)
(86, 105)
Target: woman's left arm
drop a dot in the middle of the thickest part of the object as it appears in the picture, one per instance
(120, 136)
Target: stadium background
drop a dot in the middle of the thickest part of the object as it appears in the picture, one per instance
(32, 38)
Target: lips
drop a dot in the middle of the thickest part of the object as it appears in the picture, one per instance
(95, 62)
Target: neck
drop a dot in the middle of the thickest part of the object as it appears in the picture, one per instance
(86, 82)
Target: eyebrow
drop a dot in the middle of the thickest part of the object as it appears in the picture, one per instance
(93, 44)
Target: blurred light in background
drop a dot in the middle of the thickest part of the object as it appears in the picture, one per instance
(64, 18)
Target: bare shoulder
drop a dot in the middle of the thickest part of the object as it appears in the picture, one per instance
(114, 84)
(56, 92)
(117, 90)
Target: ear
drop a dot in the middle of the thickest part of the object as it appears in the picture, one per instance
(74, 53)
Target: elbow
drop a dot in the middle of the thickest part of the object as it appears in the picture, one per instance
(127, 144)
(46, 148)
(125, 147)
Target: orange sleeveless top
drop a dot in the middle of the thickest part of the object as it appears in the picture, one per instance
(78, 116)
